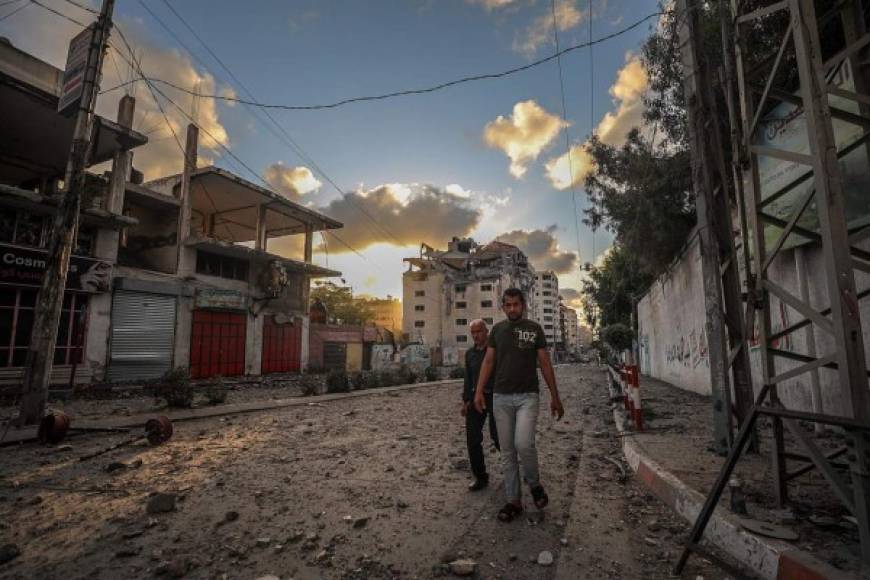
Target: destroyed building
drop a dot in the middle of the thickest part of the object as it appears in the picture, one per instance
(175, 272)
(445, 290)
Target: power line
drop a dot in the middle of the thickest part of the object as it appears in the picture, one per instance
(16, 11)
(567, 137)
(287, 139)
(432, 89)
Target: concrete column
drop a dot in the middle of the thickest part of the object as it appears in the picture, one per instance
(303, 355)
(183, 327)
(260, 241)
(254, 345)
(309, 242)
(122, 161)
(190, 153)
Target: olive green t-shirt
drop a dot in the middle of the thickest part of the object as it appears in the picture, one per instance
(516, 347)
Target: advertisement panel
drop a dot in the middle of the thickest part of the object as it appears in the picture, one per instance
(26, 266)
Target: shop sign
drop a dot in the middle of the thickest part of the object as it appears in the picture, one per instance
(26, 266)
(217, 299)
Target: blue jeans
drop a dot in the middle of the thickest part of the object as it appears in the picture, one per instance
(516, 417)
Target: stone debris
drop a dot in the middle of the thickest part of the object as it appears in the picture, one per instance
(231, 516)
(360, 522)
(463, 567)
(546, 558)
(161, 503)
(263, 542)
(9, 552)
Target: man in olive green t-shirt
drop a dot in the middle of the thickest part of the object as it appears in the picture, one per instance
(516, 346)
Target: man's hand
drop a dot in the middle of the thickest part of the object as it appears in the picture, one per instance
(479, 402)
(464, 410)
(556, 408)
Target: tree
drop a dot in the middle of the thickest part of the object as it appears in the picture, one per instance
(615, 285)
(618, 336)
(341, 306)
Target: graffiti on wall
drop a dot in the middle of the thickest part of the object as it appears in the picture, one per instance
(779, 320)
(689, 351)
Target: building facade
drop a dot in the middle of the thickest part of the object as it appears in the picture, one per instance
(166, 274)
(545, 309)
(443, 291)
(387, 314)
(570, 329)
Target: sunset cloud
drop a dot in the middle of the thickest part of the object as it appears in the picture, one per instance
(406, 214)
(492, 4)
(523, 135)
(540, 31)
(571, 298)
(542, 249)
(627, 92)
(291, 182)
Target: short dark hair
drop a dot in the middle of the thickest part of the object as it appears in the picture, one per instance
(513, 293)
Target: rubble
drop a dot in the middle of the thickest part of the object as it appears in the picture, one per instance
(161, 503)
(9, 552)
(545, 558)
(463, 567)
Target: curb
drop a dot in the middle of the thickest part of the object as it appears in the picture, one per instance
(767, 558)
(29, 433)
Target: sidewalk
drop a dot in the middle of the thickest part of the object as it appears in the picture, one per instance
(672, 458)
(137, 421)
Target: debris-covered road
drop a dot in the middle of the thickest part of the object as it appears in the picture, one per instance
(370, 487)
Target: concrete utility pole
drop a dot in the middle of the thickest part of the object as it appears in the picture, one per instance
(718, 256)
(37, 375)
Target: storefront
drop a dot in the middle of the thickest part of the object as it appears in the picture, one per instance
(282, 345)
(21, 271)
(218, 335)
(142, 335)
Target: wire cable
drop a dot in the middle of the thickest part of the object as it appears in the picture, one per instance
(407, 92)
(567, 141)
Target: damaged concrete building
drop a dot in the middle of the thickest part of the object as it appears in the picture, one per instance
(170, 273)
(445, 290)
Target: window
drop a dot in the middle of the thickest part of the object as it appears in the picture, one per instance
(461, 322)
(486, 287)
(548, 326)
(16, 323)
(221, 266)
(419, 323)
(461, 338)
(419, 293)
(546, 293)
(548, 311)
(460, 288)
(548, 318)
(486, 304)
(419, 308)
(461, 305)
(488, 321)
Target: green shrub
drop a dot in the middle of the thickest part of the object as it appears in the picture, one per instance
(431, 374)
(336, 382)
(357, 381)
(309, 385)
(175, 388)
(216, 391)
(457, 373)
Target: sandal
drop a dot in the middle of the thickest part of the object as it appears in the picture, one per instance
(509, 512)
(540, 496)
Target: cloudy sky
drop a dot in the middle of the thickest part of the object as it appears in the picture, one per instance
(485, 159)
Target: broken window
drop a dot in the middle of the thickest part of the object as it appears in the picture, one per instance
(460, 289)
(221, 266)
(419, 323)
(85, 242)
(461, 322)
(419, 308)
(461, 305)
(419, 293)
(486, 304)
(486, 287)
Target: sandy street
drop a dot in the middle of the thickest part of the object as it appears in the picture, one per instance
(370, 487)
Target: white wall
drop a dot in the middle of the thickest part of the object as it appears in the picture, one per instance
(673, 338)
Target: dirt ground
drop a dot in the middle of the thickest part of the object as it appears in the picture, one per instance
(370, 487)
(679, 439)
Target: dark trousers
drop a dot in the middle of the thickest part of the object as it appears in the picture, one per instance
(474, 422)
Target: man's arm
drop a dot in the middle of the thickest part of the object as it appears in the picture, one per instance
(485, 372)
(556, 408)
(467, 386)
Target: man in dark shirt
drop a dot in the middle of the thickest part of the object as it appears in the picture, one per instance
(475, 420)
(515, 348)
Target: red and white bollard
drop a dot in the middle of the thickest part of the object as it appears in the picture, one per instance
(636, 407)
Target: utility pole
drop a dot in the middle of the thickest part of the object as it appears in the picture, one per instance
(720, 265)
(37, 375)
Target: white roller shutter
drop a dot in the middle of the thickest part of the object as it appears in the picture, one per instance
(143, 330)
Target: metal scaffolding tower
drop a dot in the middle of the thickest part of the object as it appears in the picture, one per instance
(803, 76)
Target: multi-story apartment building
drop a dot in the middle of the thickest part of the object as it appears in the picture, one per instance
(545, 306)
(570, 329)
(443, 291)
